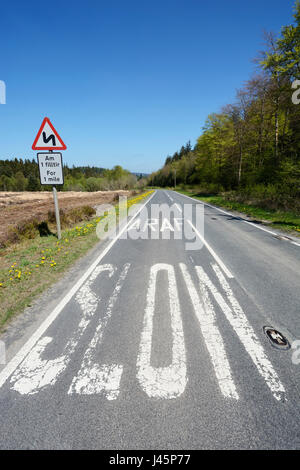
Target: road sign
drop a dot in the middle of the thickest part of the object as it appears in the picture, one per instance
(48, 138)
(51, 168)
(50, 164)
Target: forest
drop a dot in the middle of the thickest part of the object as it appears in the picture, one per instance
(251, 148)
(23, 175)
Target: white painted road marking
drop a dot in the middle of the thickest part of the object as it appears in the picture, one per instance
(92, 377)
(22, 353)
(242, 220)
(244, 330)
(36, 373)
(168, 195)
(211, 335)
(212, 252)
(153, 224)
(178, 207)
(162, 382)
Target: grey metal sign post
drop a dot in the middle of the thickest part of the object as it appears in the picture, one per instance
(51, 173)
(57, 217)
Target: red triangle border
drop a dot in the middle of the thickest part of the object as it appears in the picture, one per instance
(47, 120)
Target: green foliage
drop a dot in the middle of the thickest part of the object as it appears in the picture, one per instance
(253, 145)
(21, 175)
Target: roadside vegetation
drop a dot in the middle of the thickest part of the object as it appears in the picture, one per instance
(285, 220)
(23, 175)
(33, 228)
(30, 266)
(249, 152)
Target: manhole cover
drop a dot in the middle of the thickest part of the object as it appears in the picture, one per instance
(277, 339)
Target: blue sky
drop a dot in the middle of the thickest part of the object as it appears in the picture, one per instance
(125, 82)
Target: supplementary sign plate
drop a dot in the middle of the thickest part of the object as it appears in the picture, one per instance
(51, 168)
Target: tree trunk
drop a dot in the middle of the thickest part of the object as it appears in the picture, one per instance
(240, 166)
(276, 130)
(261, 130)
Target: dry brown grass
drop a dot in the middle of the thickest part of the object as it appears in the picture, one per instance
(21, 213)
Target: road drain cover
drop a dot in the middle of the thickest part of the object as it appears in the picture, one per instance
(276, 338)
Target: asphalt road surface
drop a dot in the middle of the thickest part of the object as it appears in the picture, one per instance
(157, 341)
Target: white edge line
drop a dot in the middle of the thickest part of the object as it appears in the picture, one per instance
(259, 228)
(199, 200)
(25, 349)
(212, 252)
(228, 213)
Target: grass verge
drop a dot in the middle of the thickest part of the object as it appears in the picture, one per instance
(287, 221)
(29, 267)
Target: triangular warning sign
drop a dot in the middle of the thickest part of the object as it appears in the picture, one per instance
(47, 138)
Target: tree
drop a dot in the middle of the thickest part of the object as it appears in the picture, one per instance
(33, 183)
(20, 181)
